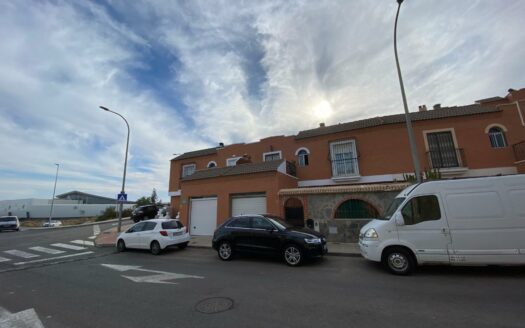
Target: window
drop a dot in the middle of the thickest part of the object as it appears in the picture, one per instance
(344, 158)
(137, 227)
(421, 209)
(240, 223)
(261, 223)
(172, 224)
(188, 169)
(149, 226)
(272, 156)
(355, 209)
(211, 164)
(232, 161)
(302, 156)
(441, 150)
(497, 138)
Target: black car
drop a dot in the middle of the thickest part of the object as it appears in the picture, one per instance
(267, 234)
(144, 212)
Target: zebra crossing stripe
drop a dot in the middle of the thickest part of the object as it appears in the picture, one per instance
(46, 250)
(67, 246)
(3, 259)
(83, 242)
(23, 254)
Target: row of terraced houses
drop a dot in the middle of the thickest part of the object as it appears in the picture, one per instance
(335, 178)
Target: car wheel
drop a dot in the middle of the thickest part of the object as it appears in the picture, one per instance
(293, 255)
(399, 261)
(155, 248)
(183, 245)
(225, 251)
(121, 245)
(136, 220)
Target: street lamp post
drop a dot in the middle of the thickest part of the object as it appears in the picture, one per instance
(53, 199)
(411, 139)
(125, 166)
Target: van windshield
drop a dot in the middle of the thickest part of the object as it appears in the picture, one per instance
(392, 208)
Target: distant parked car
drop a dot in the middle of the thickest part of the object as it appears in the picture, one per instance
(53, 223)
(9, 223)
(267, 234)
(144, 212)
(155, 235)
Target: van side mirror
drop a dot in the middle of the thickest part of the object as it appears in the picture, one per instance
(399, 219)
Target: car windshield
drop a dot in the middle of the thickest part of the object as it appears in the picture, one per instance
(279, 222)
(392, 208)
(7, 219)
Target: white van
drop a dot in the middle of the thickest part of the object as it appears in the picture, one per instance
(476, 221)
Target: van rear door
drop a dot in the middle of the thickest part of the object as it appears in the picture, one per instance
(425, 229)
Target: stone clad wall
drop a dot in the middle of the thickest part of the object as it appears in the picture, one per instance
(321, 208)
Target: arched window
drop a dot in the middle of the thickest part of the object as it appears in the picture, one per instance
(497, 137)
(355, 209)
(211, 164)
(302, 156)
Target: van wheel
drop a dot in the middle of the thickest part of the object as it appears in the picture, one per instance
(399, 261)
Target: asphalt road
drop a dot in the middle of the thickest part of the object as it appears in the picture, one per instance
(333, 292)
(27, 247)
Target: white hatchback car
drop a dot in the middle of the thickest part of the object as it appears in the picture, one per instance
(154, 235)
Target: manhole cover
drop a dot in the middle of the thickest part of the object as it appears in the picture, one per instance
(214, 305)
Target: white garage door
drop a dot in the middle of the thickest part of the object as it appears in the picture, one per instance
(248, 205)
(203, 216)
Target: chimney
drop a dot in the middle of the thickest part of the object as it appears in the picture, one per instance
(423, 108)
(245, 159)
(221, 144)
(321, 125)
(437, 106)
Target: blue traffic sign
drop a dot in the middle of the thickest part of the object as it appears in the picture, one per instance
(122, 197)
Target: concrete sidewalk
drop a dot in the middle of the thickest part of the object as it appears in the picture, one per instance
(108, 238)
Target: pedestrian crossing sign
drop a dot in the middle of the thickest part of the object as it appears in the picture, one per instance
(122, 197)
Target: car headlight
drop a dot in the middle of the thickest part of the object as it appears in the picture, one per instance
(371, 234)
(312, 240)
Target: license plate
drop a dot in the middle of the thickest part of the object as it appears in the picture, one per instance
(177, 233)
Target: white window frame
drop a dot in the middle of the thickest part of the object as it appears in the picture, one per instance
(354, 153)
(307, 154)
(494, 144)
(272, 153)
(184, 167)
(211, 162)
(234, 159)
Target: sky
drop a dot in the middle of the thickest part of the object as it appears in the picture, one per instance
(190, 74)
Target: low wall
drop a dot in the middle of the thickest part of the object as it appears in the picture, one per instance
(340, 230)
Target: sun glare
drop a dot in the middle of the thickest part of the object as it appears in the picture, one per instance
(323, 110)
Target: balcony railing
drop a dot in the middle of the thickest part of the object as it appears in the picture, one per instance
(346, 167)
(446, 159)
(519, 151)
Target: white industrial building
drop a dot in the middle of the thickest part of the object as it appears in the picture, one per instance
(64, 207)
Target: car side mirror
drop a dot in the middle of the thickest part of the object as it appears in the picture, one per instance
(399, 219)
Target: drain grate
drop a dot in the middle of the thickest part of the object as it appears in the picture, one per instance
(214, 305)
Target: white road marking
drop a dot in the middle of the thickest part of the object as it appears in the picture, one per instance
(92, 237)
(23, 254)
(83, 242)
(53, 258)
(159, 278)
(46, 250)
(67, 246)
(3, 259)
(96, 230)
(26, 318)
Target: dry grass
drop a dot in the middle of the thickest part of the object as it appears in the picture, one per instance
(35, 223)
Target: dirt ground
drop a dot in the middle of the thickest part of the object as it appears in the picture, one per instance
(33, 223)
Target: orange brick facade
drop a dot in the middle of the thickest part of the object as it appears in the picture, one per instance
(383, 156)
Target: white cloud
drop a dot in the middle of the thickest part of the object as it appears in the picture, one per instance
(243, 71)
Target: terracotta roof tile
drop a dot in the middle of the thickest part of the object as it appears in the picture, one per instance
(443, 112)
(234, 170)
